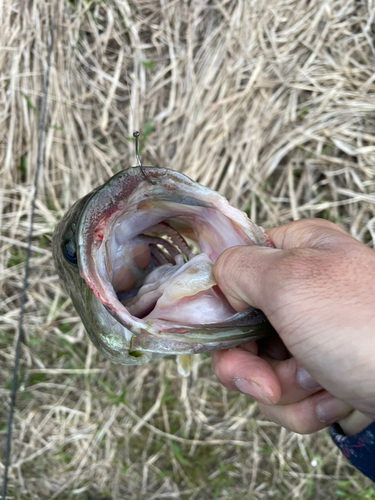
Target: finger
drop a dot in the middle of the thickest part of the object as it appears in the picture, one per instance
(295, 382)
(308, 233)
(309, 415)
(243, 371)
(354, 423)
(242, 272)
(239, 369)
(268, 278)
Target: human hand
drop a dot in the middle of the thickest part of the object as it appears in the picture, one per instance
(317, 288)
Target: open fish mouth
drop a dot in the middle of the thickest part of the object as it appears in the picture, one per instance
(145, 252)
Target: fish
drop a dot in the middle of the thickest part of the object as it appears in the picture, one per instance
(136, 256)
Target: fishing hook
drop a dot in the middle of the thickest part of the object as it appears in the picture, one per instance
(136, 135)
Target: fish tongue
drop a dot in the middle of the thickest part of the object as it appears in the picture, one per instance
(193, 277)
(188, 297)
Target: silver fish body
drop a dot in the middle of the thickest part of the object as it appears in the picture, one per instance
(136, 258)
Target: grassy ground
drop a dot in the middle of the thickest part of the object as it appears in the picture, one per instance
(270, 103)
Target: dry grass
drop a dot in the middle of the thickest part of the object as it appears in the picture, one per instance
(272, 104)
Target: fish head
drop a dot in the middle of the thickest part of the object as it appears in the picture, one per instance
(136, 256)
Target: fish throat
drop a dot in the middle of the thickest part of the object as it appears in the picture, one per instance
(156, 257)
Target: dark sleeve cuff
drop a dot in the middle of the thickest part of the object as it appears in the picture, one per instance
(358, 449)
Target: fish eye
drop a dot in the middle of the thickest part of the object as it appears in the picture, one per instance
(69, 251)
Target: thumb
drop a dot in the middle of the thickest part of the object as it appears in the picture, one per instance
(241, 273)
(254, 275)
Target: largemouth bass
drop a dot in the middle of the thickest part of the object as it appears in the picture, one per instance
(136, 257)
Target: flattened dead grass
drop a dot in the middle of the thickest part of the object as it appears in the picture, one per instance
(273, 105)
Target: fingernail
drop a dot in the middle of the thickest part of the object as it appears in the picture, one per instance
(331, 410)
(251, 389)
(306, 381)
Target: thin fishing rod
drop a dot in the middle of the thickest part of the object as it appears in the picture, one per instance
(42, 124)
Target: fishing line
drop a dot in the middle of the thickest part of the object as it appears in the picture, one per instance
(136, 133)
(42, 123)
